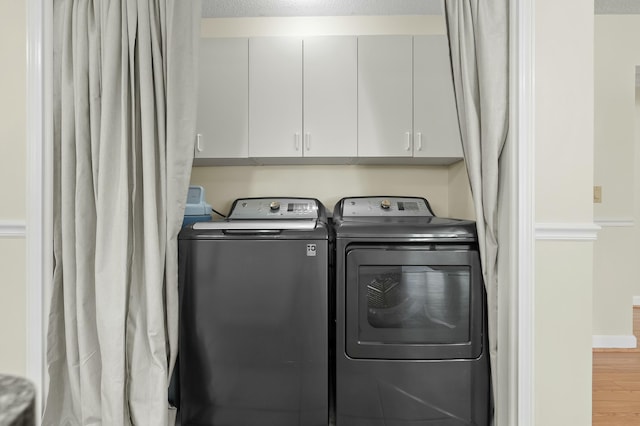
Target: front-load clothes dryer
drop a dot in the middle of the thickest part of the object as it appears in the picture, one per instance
(411, 342)
(253, 346)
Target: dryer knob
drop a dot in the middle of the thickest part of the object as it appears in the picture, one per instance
(274, 206)
(385, 204)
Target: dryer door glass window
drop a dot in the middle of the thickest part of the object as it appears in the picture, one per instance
(406, 303)
(420, 304)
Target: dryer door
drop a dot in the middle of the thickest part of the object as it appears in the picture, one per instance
(409, 303)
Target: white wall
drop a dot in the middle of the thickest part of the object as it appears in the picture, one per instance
(562, 356)
(564, 174)
(12, 109)
(12, 307)
(12, 185)
(327, 183)
(460, 198)
(617, 251)
(322, 25)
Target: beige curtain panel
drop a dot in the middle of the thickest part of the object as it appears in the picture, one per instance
(124, 126)
(479, 43)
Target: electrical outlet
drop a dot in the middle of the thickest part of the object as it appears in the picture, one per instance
(597, 194)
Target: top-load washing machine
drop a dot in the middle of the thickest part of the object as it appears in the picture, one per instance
(411, 343)
(253, 347)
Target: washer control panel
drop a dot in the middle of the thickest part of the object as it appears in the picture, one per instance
(274, 208)
(385, 206)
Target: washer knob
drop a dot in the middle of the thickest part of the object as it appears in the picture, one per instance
(385, 204)
(274, 206)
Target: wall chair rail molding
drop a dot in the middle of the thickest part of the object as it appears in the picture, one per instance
(615, 222)
(567, 231)
(12, 229)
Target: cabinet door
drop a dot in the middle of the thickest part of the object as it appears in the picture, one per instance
(275, 97)
(435, 121)
(385, 93)
(330, 97)
(223, 99)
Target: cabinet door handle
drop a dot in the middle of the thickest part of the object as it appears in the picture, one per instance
(307, 143)
(198, 144)
(419, 134)
(297, 141)
(408, 136)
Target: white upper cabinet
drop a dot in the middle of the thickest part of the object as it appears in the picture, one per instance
(435, 122)
(385, 96)
(223, 106)
(406, 104)
(330, 97)
(275, 97)
(303, 97)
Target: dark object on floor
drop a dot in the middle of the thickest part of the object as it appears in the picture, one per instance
(17, 401)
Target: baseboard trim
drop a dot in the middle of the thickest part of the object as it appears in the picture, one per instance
(613, 341)
(12, 229)
(567, 231)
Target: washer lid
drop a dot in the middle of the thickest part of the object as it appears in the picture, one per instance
(258, 225)
(265, 217)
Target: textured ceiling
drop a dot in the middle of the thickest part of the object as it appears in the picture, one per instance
(616, 7)
(252, 8)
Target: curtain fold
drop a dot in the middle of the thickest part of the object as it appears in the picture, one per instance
(124, 126)
(479, 43)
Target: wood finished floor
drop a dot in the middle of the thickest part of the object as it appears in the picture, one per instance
(616, 384)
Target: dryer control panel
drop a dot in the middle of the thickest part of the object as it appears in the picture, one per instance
(274, 208)
(385, 206)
